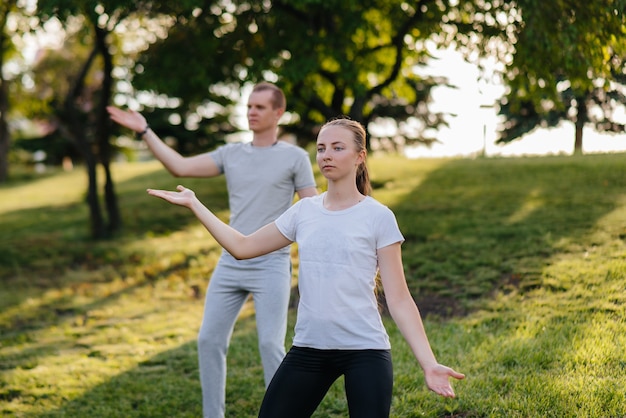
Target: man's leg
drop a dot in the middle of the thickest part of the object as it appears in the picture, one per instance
(271, 301)
(221, 309)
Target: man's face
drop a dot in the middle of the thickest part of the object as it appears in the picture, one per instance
(261, 114)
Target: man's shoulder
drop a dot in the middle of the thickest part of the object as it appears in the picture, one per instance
(228, 147)
(282, 152)
(289, 147)
(235, 145)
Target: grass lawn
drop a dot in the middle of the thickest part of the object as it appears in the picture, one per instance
(518, 266)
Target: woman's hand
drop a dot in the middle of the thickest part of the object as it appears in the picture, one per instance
(438, 379)
(183, 197)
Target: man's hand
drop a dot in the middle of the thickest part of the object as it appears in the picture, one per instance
(128, 118)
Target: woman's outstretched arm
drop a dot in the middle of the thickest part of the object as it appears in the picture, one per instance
(406, 315)
(263, 241)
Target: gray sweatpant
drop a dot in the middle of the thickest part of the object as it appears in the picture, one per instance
(268, 279)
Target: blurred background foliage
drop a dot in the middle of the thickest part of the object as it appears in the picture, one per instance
(188, 65)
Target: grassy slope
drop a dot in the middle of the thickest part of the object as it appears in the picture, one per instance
(518, 264)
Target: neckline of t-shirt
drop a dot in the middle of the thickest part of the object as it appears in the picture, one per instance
(340, 211)
(265, 147)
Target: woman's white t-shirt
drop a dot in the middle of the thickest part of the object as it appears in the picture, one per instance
(338, 265)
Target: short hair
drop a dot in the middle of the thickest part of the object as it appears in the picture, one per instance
(278, 97)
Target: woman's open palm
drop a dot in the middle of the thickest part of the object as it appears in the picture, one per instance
(183, 197)
(438, 380)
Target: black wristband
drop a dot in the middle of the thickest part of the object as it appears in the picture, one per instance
(140, 135)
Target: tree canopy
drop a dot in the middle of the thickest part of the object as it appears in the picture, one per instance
(568, 64)
(348, 57)
(354, 58)
(187, 62)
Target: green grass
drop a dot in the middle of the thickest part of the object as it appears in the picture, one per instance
(518, 265)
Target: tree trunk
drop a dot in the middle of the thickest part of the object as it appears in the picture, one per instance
(103, 132)
(5, 136)
(75, 129)
(5, 139)
(581, 119)
(98, 230)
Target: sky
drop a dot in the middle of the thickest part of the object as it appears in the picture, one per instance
(473, 129)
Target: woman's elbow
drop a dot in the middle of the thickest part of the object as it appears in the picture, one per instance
(241, 254)
(239, 257)
(176, 173)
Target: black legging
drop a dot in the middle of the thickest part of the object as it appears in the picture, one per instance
(306, 374)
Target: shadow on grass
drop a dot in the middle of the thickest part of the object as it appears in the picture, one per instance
(38, 246)
(167, 385)
(163, 385)
(479, 229)
(476, 226)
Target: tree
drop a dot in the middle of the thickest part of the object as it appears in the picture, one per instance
(332, 57)
(6, 47)
(568, 64)
(81, 108)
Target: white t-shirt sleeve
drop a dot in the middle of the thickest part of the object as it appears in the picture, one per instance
(288, 220)
(387, 229)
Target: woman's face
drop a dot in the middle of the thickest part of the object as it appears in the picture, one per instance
(336, 152)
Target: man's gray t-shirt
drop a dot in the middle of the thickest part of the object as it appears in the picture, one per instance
(262, 181)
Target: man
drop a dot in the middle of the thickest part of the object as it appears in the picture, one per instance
(262, 178)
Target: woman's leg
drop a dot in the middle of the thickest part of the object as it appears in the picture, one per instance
(369, 383)
(299, 384)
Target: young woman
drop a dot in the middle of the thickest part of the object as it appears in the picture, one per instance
(344, 238)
